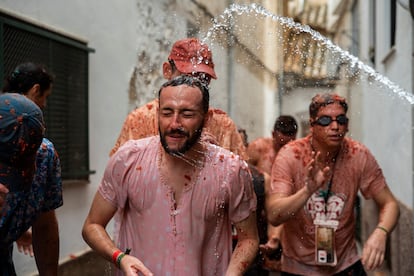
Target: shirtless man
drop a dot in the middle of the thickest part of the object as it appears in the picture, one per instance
(262, 151)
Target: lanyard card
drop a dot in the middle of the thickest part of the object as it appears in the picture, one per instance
(325, 253)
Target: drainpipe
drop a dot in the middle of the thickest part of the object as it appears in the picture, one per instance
(281, 74)
(230, 68)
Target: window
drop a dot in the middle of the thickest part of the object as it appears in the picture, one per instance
(66, 115)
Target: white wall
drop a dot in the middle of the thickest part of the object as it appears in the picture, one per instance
(387, 117)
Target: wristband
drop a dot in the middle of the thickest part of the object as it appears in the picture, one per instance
(383, 229)
(115, 255)
(118, 260)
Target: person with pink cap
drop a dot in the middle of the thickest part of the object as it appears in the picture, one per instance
(189, 57)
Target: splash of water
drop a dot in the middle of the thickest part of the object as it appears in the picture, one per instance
(225, 21)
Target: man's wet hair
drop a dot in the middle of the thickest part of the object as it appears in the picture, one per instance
(286, 124)
(26, 75)
(321, 100)
(193, 82)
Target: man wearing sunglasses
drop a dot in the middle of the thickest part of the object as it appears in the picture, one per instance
(314, 185)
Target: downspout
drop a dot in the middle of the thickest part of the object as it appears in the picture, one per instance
(281, 74)
(230, 68)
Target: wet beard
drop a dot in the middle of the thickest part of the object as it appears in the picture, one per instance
(192, 140)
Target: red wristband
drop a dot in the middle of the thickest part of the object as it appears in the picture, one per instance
(115, 256)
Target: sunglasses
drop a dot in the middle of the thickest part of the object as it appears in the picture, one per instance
(326, 120)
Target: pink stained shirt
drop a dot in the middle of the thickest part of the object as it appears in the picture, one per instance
(355, 170)
(193, 239)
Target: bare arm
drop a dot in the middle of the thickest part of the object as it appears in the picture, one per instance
(281, 207)
(273, 239)
(246, 248)
(94, 232)
(374, 247)
(95, 235)
(45, 235)
(273, 232)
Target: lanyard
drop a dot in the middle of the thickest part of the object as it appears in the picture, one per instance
(326, 194)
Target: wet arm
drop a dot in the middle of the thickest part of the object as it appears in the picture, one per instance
(273, 235)
(45, 235)
(95, 235)
(246, 248)
(94, 232)
(374, 248)
(280, 208)
(273, 232)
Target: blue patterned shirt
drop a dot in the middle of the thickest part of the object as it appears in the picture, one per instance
(22, 208)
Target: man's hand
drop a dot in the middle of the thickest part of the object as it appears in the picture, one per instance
(271, 248)
(131, 266)
(271, 253)
(317, 176)
(374, 250)
(24, 243)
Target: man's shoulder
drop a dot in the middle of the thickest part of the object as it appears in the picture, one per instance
(296, 148)
(146, 109)
(218, 115)
(134, 146)
(353, 146)
(218, 112)
(224, 156)
(262, 142)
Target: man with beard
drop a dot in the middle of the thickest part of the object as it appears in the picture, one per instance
(178, 196)
(188, 56)
(314, 185)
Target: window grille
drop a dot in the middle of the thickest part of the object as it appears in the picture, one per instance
(66, 114)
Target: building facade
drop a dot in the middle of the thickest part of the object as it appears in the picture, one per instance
(271, 57)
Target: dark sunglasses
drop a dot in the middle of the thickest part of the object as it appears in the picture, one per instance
(326, 120)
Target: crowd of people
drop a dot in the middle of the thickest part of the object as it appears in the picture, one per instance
(182, 182)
